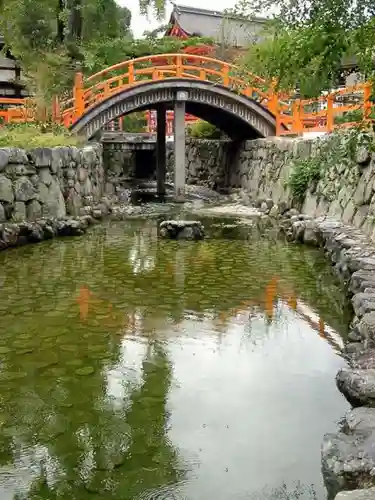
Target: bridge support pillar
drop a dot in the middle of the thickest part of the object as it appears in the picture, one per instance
(161, 150)
(179, 147)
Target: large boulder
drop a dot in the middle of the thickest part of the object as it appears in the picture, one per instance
(46, 157)
(366, 326)
(360, 280)
(363, 303)
(367, 494)
(2, 213)
(19, 212)
(181, 230)
(24, 189)
(52, 200)
(33, 210)
(357, 385)
(4, 158)
(348, 457)
(6, 189)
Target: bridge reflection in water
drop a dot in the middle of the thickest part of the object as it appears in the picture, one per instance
(274, 292)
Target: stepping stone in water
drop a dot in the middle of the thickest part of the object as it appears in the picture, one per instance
(181, 230)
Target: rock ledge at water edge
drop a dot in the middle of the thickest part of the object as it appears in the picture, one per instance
(368, 494)
(181, 230)
(348, 456)
(21, 233)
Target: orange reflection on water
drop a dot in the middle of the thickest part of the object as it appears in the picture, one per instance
(322, 327)
(83, 302)
(89, 302)
(270, 296)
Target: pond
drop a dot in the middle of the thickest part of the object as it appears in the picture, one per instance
(138, 368)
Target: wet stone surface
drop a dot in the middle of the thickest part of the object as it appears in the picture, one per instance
(368, 494)
(181, 230)
(21, 233)
(348, 457)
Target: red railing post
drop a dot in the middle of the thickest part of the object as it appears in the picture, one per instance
(78, 95)
(367, 91)
(278, 119)
(297, 125)
(56, 112)
(330, 113)
(179, 66)
(272, 100)
(225, 74)
(131, 73)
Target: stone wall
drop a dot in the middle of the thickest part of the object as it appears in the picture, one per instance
(119, 166)
(206, 164)
(346, 190)
(49, 182)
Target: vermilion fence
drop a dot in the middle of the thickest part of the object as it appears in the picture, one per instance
(151, 121)
(293, 116)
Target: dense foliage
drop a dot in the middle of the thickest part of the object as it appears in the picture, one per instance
(203, 130)
(305, 43)
(48, 36)
(36, 135)
(52, 38)
(99, 54)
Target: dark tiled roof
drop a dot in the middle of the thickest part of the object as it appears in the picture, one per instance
(224, 28)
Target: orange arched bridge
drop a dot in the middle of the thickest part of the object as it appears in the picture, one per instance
(238, 102)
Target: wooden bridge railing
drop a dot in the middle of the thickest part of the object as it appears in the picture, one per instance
(98, 87)
(293, 116)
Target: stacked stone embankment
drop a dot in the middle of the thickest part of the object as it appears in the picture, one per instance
(348, 456)
(47, 192)
(49, 182)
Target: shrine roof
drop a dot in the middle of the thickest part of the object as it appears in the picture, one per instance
(224, 28)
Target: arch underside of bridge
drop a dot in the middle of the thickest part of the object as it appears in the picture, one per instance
(237, 115)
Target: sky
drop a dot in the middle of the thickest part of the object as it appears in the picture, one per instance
(141, 23)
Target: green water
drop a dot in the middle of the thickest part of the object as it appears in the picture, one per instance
(134, 368)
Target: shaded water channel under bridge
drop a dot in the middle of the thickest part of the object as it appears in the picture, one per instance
(136, 368)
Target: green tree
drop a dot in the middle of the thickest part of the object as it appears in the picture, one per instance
(52, 38)
(304, 43)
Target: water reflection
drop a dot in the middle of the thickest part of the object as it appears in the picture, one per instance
(274, 293)
(138, 368)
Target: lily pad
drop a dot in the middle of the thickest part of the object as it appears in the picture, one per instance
(27, 350)
(96, 348)
(9, 376)
(51, 332)
(42, 365)
(85, 370)
(21, 344)
(68, 347)
(74, 362)
(57, 371)
(64, 404)
(25, 336)
(4, 349)
(100, 355)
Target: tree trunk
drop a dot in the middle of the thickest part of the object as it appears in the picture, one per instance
(75, 20)
(60, 22)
